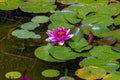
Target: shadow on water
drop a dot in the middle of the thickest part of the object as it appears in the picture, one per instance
(18, 55)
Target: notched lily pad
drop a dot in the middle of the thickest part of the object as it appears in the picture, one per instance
(23, 34)
(50, 73)
(43, 53)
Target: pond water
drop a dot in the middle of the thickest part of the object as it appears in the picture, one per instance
(18, 55)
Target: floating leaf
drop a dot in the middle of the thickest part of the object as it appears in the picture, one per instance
(111, 77)
(92, 61)
(90, 72)
(50, 73)
(66, 16)
(54, 25)
(10, 4)
(66, 78)
(29, 25)
(79, 45)
(43, 53)
(23, 34)
(40, 19)
(117, 20)
(58, 52)
(13, 75)
(37, 7)
(98, 20)
(106, 51)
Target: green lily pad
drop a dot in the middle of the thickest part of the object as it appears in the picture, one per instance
(37, 7)
(66, 78)
(58, 52)
(43, 54)
(23, 34)
(10, 4)
(111, 77)
(50, 73)
(13, 75)
(40, 19)
(79, 45)
(98, 20)
(117, 20)
(54, 25)
(29, 25)
(106, 51)
(106, 64)
(91, 72)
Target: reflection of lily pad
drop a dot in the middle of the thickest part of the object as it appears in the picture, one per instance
(50, 73)
(90, 72)
(13, 75)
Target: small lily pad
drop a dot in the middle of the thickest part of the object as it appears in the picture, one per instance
(40, 19)
(30, 26)
(66, 78)
(50, 73)
(23, 34)
(13, 75)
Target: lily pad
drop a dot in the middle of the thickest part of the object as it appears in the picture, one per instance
(90, 72)
(40, 19)
(106, 64)
(23, 34)
(58, 52)
(43, 53)
(54, 25)
(29, 25)
(111, 77)
(50, 73)
(13, 75)
(66, 78)
(37, 7)
(10, 4)
(98, 20)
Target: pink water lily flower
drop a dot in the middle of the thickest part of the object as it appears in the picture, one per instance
(59, 35)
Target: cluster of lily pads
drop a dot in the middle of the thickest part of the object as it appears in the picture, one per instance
(94, 24)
